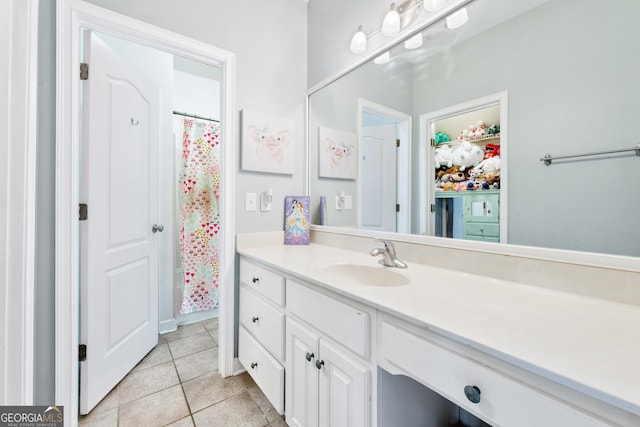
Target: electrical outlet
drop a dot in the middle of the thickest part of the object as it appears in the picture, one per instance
(348, 202)
(265, 202)
(339, 203)
(250, 202)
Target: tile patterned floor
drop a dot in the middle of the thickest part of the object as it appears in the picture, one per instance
(177, 384)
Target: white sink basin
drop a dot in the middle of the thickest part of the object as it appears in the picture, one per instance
(360, 274)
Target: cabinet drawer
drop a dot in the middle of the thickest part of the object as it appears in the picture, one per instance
(266, 371)
(263, 320)
(263, 281)
(345, 324)
(503, 401)
(483, 229)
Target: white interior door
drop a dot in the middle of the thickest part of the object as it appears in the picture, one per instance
(378, 166)
(119, 250)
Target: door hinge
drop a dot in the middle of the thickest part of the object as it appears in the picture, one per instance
(82, 352)
(432, 207)
(84, 71)
(432, 141)
(397, 207)
(397, 143)
(83, 211)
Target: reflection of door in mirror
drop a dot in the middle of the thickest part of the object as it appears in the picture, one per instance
(378, 166)
(385, 145)
(464, 172)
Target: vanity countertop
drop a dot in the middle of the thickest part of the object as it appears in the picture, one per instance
(587, 344)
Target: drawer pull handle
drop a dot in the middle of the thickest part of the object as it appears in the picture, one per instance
(255, 279)
(473, 393)
(309, 356)
(319, 364)
(255, 319)
(253, 365)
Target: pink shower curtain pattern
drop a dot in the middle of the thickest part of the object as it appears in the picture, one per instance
(200, 215)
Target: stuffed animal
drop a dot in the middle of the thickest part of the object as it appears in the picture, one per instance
(467, 155)
(443, 156)
(492, 164)
(491, 177)
(492, 130)
(448, 186)
(474, 185)
(441, 137)
(491, 150)
(479, 129)
(453, 174)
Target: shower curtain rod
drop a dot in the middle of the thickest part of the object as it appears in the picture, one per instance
(195, 117)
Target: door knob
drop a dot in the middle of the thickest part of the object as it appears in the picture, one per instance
(157, 228)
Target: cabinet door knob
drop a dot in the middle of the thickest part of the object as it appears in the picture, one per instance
(473, 393)
(319, 364)
(253, 365)
(255, 279)
(309, 356)
(155, 228)
(255, 319)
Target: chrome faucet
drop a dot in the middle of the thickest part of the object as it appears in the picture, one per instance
(388, 254)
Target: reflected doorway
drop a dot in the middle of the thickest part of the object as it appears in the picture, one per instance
(464, 169)
(384, 185)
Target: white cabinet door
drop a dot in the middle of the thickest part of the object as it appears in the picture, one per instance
(344, 389)
(301, 375)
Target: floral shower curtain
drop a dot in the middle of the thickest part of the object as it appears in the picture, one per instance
(200, 215)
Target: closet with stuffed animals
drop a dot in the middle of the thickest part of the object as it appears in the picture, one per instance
(466, 150)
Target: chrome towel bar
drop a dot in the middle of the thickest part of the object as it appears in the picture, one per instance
(547, 159)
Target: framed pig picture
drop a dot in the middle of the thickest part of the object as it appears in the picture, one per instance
(337, 154)
(267, 143)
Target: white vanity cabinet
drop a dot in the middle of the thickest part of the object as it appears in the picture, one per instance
(327, 384)
(261, 329)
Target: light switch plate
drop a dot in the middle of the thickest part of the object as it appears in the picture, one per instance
(250, 202)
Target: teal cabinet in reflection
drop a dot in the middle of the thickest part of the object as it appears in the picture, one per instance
(471, 215)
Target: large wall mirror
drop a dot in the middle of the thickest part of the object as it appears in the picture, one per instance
(555, 77)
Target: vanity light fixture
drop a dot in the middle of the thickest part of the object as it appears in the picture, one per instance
(391, 22)
(414, 42)
(359, 41)
(457, 19)
(434, 5)
(383, 58)
(396, 19)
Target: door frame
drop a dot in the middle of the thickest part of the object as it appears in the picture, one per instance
(72, 16)
(426, 158)
(18, 197)
(403, 180)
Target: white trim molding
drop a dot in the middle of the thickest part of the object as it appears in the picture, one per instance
(18, 198)
(73, 16)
